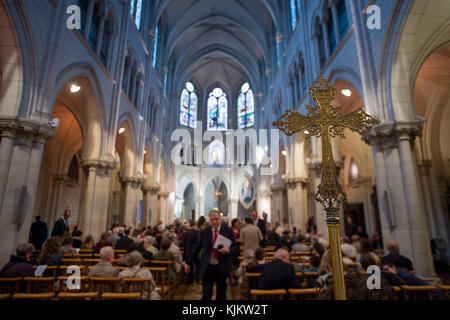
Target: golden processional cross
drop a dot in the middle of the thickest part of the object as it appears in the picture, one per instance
(326, 121)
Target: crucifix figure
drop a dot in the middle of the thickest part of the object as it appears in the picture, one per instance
(326, 121)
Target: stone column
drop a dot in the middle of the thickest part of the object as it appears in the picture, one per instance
(233, 208)
(402, 210)
(100, 33)
(129, 200)
(20, 160)
(277, 203)
(297, 201)
(325, 38)
(149, 205)
(369, 214)
(57, 195)
(163, 214)
(94, 200)
(7, 139)
(335, 17)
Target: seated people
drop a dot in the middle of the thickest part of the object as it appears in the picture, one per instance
(76, 241)
(404, 274)
(314, 262)
(395, 257)
(104, 269)
(124, 241)
(67, 246)
(279, 274)
(165, 255)
(103, 242)
(19, 264)
(347, 248)
(300, 246)
(143, 249)
(134, 260)
(51, 252)
(367, 260)
(258, 261)
(88, 243)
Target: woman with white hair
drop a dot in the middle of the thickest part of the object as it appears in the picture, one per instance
(134, 260)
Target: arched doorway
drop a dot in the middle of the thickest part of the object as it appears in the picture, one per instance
(216, 197)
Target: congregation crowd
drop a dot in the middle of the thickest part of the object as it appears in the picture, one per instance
(281, 256)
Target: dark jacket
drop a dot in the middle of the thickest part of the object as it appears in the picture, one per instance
(76, 243)
(123, 243)
(205, 243)
(38, 234)
(399, 261)
(351, 229)
(262, 226)
(146, 254)
(409, 278)
(278, 275)
(393, 279)
(59, 228)
(17, 267)
(190, 238)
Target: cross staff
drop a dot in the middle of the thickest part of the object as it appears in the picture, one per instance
(326, 121)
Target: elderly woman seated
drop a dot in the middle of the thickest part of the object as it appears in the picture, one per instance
(134, 260)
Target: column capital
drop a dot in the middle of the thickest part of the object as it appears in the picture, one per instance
(104, 164)
(275, 187)
(135, 181)
(388, 134)
(26, 131)
(292, 181)
(153, 189)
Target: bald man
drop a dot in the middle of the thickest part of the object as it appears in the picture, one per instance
(279, 274)
(395, 257)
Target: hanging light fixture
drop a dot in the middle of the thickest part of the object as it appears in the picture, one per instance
(74, 87)
(121, 130)
(347, 91)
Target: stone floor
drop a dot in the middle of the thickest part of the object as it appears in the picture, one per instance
(193, 291)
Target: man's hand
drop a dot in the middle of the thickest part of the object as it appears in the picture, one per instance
(224, 250)
(187, 269)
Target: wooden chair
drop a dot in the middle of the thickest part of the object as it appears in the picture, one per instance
(84, 284)
(276, 294)
(252, 282)
(71, 262)
(352, 265)
(142, 285)
(90, 262)
(85, 256)
(10, 285)
(379, 251)
(77, 295)
(96, 256)
(419, 292)
(304, 294)
(121, 296)
(398, 292)
(50, 271)
(101, 285)
(4, 296)
(33, 296)
(63, 270)
(39, 284)
(121, 252)
(160, 275)
(445, 290)
(269, 248)
(352, 258)
(170, 285)
(310, 278)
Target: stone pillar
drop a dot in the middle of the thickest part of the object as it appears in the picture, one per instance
(20, 161)
(90, 12)
(94, 200)
(233, 208)
(278, 208)
(149, 205)
(100, 33)
(369, 214)
(325, 38)
(163, 214)
(57, 195)
(129, 200)
(402, 211)
(297, 202)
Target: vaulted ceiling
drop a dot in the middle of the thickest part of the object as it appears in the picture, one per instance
(218, 42)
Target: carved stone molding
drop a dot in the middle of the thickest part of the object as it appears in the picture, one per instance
(277, 187)
(27, 132)
(292, 182)
(387, 135)
(102, 167)
(135, 181)
(152, 189)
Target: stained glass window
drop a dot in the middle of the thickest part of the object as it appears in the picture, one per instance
(246, 107)
(155, 47)
(343, 19)
(132, 7)
(188, 106)
(293, 11)
(137, 18)
(217, 110)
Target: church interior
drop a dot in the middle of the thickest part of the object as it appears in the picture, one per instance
(140, 117)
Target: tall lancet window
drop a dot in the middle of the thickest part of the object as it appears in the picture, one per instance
(246, 107)
(293, 11)
(217, 110)
(136, 12)
(188, 106)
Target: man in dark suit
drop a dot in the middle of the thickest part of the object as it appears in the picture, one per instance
(125, 242)
(395, 257)
(189, 241)
(261, 224)
(279, 274)
(215, 264)
(38, 233)
(61, 225)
